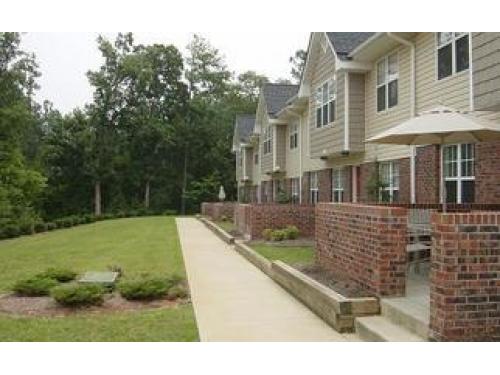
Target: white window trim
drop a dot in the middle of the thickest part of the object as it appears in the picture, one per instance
(295, 190)
(338, 175)
(294, 134)
(320, 87)
(391, 188)
(385, 59)
(458, 178)
(454, 72)
(313, 191)
(268, 140)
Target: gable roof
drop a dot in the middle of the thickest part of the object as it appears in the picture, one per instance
(345, 43)
(276, 96)
(243, 128)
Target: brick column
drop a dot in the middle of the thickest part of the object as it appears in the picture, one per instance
(347, 174)
(427, 174)
(305, 188)
(325, 185)
(487, 172)
(365, 243)
(465, 277)
(366, 172)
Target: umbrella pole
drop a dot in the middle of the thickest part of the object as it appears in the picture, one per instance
(443, 185)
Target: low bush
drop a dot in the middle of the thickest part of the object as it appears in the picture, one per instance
(40, 227)
(146, 288)
(62, 275)
(291, 232)
(177, 291)
(223, 218)
(59, 223)
(51, 226)
(74, 295)
(27, 228)
(267, 233)
(169, 212)
(278, 235)
(34, 287)
(11, 231)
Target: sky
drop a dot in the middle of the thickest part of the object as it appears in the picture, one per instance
(64, 58)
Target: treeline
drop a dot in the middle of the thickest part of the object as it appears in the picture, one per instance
(157, 135)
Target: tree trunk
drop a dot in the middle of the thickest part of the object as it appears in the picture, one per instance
(146, 194)
(97, 198)
(184, 183)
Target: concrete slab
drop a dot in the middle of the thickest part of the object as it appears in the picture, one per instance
(235, 301)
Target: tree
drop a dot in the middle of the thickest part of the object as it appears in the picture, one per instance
(298, 61)
(249, 84)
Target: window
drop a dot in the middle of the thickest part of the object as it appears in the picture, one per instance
(326, 96)
(338, 183)
(389, 177)
(313, 187)
(268, 140)
(295, 190)
(294, 136)
(387, 82)
(256, 158)
(458, 169)
(452, 53)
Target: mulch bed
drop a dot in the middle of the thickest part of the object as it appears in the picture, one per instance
(339, 283)
(46, 306)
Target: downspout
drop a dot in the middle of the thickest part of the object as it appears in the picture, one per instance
(413, 110)
(471, 76)
(346, 113)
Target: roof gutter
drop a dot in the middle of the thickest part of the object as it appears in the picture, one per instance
(413, 89)
(364, 44)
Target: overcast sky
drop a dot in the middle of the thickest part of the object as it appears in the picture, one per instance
(64, 58)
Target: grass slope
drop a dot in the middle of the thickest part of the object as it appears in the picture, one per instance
(138, 245)
(290, 255)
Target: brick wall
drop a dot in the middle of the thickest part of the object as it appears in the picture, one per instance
(465, 277)
(215, 210)
(427, 174)
(252, 219)
(366, 243)
(404, 180)
(305, 188)
(487, 172)
(325, 185)
(366, 172)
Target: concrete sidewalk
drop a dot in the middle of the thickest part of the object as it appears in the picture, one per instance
(234, 301)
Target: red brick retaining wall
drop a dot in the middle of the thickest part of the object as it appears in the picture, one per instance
(465, 276)
(216, 210)
(252, 219)
(365, 243)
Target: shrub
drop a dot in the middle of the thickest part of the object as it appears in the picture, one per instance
(278, 235)
(169, 212)
(177, 291)
(267, 233)
(116, 268)
(34, 287)
(11, 231)
(108, 216)
(75, 295)
(223, 218)
(27, 228)
(62, 275)
(59, 223)
(291, 232)
(51, 226)
(40, 227)
(145, 288)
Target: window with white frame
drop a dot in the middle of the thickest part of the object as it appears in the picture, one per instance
(294, 135)
(313, 187)
(452, 53)
(459, 176)
(326, 96)
(338, 182)
(295, 196)
(387, 82)
(268, 140)
(389, 177)
(256, 158)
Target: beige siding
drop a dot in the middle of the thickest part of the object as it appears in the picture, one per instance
(248, 162)
(308, 163)
(377, 122)
(356, 112)
(292, 155)
(238, 166)
(255, 167)
(486, 70)
(281, 145)
(266, 164)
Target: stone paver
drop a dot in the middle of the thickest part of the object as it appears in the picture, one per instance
(234, 301)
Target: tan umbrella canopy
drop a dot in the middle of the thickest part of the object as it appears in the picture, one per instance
(441, 125)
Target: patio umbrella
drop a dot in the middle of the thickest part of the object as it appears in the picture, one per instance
(440, 126)
(222, 193)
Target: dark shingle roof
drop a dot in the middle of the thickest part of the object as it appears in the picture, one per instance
(276, 96)
(345, 43)
(244, 126)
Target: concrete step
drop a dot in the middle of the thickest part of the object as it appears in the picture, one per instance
(412, 317)
(379, 328)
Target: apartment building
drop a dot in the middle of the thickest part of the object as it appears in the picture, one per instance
(308, 142)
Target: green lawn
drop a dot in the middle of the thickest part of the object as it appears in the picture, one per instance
(227, 225)
(138, 245)
(291, 255)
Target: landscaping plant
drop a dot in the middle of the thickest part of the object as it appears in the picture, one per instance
(62, 275)
(146, 288)
(177, 291)
(75, 295)
(35, 286)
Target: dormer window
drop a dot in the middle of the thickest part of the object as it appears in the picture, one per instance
(452, 53)
(387, 82)
(326, 96)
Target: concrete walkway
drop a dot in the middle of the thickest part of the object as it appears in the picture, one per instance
(234, 301)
